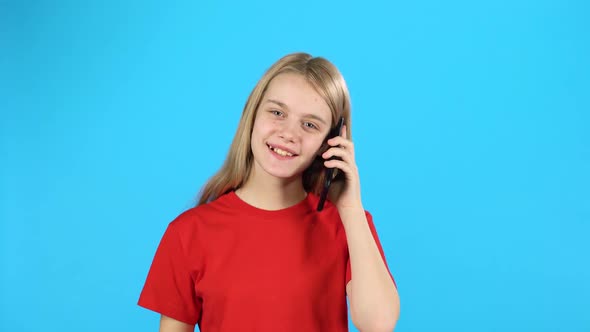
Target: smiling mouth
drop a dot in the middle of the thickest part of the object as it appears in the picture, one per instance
(281, 152)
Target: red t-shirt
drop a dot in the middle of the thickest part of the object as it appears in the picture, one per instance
(229, 266)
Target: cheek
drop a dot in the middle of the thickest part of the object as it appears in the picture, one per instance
(256, 137)
(315, 146)
(259, 128)
(263, 126)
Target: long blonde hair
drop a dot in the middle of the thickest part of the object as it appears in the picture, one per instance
(327, 81)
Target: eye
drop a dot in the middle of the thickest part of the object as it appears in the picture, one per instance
(310, 125)
(276, 112)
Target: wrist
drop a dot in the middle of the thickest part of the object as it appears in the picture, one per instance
(351, 213)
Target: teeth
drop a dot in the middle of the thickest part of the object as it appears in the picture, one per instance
(281, 152)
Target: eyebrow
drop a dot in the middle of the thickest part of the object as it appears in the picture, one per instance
(309, 115)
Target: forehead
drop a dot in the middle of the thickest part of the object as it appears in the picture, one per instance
(298, 95)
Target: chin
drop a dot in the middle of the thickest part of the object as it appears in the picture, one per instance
(283, 174)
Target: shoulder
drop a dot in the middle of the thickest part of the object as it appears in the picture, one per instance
(194, 217)
(192, 227)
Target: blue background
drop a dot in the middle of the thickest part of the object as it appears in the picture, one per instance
(470, 121)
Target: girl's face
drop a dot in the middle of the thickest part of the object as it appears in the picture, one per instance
(291, 124)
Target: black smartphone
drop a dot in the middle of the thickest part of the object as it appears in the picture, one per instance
(330, 171)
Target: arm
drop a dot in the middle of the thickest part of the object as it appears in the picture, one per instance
(168, 324)
(169, 288)
(373, 297)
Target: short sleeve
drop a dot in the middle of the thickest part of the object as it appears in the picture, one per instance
(169, 288)
(376, 238)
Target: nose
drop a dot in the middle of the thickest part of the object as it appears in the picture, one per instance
(288, 131)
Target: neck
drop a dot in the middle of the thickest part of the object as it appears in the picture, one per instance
(271, 193)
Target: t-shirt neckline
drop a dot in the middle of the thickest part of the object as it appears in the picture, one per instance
(302, 207)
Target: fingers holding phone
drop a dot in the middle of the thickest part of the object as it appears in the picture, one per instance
(340, 156)
(343, 150)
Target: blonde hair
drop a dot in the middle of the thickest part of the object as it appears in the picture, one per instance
(325, 78)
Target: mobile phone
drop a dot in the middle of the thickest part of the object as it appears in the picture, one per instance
(329, 171)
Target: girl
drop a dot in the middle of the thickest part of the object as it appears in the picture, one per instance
(255, 254)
